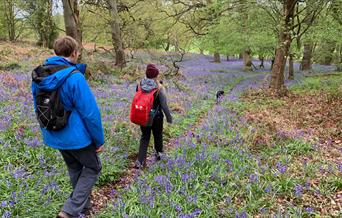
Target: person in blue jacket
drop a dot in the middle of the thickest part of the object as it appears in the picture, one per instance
(80, 140)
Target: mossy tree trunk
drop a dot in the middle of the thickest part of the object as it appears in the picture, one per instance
(291, 68)
(217, 58)
(282, 51)
(120, 59)
(10, 19)
(307, 56)
(72, 21)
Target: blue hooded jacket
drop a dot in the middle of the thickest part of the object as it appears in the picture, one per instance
(84, 126)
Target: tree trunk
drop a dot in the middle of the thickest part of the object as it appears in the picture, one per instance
(339, 64)
(262, 59)
(291, 68)
(217, 58)
(307, 55)
(44, 24)
(72, 22)
(328, 50)
(247, 60)
(227, 57)
(9, 19)
(246, 54)
(201, 51)
(49, 26)
(277, 79)
(167, 48)
(308, 48)
(116, 34)
(272, 62)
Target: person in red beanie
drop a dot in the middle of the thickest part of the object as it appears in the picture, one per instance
(149, 84)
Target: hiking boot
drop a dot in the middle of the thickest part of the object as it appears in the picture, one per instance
(139, 165)
(159, 155)
(63, 214)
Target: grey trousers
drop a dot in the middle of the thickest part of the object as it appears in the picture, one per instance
(84, 167)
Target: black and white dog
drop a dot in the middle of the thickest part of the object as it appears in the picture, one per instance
(219, 96)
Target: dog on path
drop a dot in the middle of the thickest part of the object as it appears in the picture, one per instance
(219, 95)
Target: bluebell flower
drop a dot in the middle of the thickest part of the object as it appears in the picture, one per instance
(339, 167)
(4, 204)
(243, 214)
(6, 214)
(185, 177)
(263, 210)
(178, 208)
(309, 210)
(229, 162)
(281, 168)
(268, 189)
(253, 178)
(298, 190)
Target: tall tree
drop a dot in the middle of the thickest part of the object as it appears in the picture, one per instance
(287, 14)
(246, 53)
(327, 35)
(307, 56)
(308, 50)
(10, 19)
(291, 67)
(217, 57)
(3, 33)
(72, 20)
(328, 48)
(201, 18)
(40, 18)
(120, 59)
(292, 25)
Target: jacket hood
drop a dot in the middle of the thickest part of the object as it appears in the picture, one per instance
(147, 85)
(57, 60)
(55, 80)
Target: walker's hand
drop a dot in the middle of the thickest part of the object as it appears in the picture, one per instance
(100, 149)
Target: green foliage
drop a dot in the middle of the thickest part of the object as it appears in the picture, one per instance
(230, 177)
(3, 32)
(331, 185)
(324, 36)
(9, 66)
(95, 30)
(213, 174)
(142, 26)
(233, 34)
(40, 18)
(331, 83)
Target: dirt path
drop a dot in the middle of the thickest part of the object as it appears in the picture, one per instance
(104, 194)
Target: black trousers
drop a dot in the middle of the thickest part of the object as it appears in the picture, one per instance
(157, 130)
(84, 167)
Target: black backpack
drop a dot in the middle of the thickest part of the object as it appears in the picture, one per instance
(50, 111)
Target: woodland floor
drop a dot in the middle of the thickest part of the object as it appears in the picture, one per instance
(286, 152)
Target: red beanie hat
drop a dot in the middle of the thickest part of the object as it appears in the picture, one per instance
(151, 71)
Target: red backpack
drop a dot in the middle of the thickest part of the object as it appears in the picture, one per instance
(141, 108)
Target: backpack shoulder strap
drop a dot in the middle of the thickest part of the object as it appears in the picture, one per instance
(156, 92)
(138, 87)
(158, 89)
(73, 72)
(42, 71)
